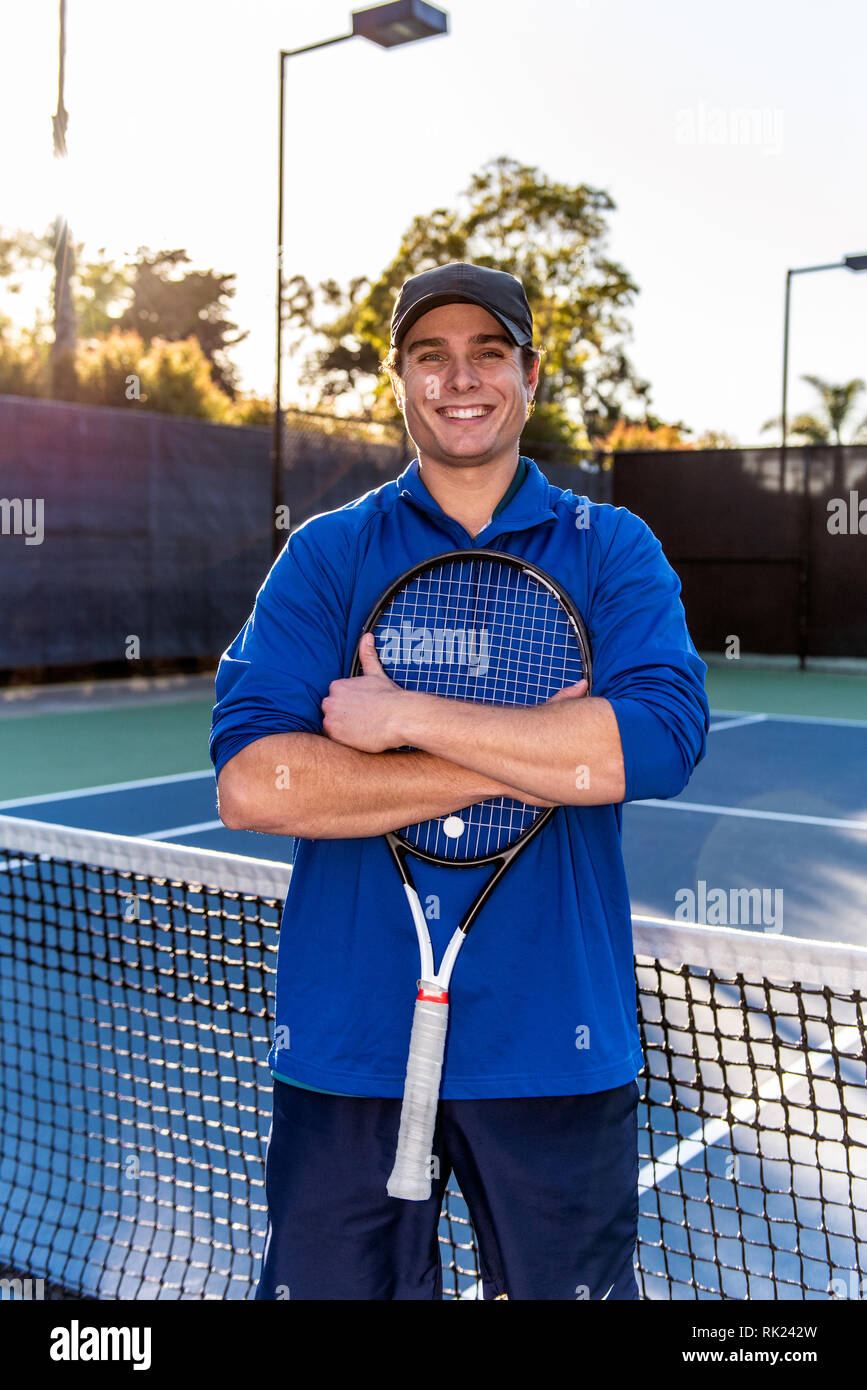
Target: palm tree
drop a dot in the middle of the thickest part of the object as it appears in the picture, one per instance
(826, 426)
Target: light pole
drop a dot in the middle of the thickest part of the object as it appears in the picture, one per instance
(858, 262)
(63, 376)
(390, 26)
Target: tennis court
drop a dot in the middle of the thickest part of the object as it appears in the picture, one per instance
(137, 981)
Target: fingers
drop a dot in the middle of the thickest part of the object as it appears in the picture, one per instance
(370, 663)
(571, 692)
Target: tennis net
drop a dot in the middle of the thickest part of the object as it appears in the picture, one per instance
(136, 980)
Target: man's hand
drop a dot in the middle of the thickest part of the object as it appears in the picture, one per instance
(363, 712)
(570, 692)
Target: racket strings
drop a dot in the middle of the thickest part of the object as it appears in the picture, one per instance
(503, 642)
(486, 632)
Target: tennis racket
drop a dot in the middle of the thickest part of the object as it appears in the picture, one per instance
(468, 625)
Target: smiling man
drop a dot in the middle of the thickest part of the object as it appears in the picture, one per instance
(537, 1117)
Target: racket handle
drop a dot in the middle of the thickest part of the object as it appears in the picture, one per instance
(411, 1175)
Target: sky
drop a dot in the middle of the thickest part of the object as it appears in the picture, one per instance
(731, 139)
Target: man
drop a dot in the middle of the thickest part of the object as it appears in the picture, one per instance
(537, 1117)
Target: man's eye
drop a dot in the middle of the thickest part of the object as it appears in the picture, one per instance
(427, 356)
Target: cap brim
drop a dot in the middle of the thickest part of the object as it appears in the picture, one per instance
(433, 301)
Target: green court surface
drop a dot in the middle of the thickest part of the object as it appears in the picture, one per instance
(61, 739)
(56, 751)
(771, 689)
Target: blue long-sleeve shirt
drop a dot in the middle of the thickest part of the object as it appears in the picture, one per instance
(543, 994)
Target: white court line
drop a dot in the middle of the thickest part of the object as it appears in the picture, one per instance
(738, 723)
(36, 799)
(745, 1111)
(746, 813)
(802, 719)
(183, 830)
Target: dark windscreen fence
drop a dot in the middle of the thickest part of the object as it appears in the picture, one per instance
(132, 542)
(837, 575)
(575, 473)
(768, 551)
(137, 542)
(154, 535)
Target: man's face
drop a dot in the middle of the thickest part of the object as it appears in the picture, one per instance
(464, 392)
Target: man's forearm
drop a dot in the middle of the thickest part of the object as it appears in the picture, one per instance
(306, 785)
(567, 750)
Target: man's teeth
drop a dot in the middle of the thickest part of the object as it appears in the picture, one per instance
(469, 413)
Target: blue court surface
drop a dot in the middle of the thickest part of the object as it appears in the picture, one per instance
(779, 804)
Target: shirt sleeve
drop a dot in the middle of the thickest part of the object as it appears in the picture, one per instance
(274, 676)
(644, 662)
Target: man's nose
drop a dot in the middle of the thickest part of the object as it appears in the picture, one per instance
(462, 375)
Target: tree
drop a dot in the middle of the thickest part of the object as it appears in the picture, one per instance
(106, 366)
(631, 435)
(249, 409)
(172, 306)
(716, 439)
(553, 237)
(103, 292)
(177, 378)
(24, 362)
(21, 253)
(837, 405)
(25, 353)
(148, 296)
(174, 378)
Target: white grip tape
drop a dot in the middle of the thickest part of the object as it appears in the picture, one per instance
(411, 1174)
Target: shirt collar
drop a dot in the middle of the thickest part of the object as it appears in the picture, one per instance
(529, 507)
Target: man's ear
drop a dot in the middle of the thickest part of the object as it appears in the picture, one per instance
(533, 378)
(399, 393)
(532, 383)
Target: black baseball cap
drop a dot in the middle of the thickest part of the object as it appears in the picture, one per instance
(497, 291)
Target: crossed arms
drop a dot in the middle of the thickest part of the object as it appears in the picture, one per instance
(346, 784)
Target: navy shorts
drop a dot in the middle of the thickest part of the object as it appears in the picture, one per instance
(551, 1185)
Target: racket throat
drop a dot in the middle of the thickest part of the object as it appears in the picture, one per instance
(415, 907)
